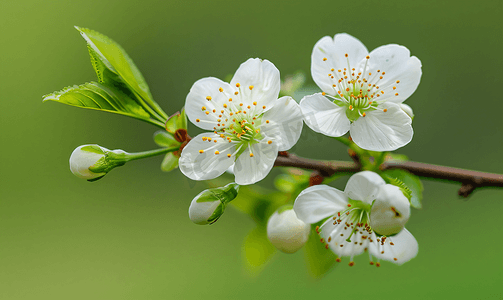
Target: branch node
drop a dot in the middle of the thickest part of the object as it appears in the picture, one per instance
(466, 189)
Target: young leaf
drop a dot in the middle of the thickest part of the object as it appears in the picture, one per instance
(93, 95)
(257, 250)
(109, 59)
(412, 182)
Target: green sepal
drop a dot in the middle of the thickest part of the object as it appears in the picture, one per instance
(92, 149)
(409, 183)
(219, 211)
(165, 139)
(170, 162)
(97, 96)
(95, 179)
(177, 121)
(223, 194)
(109, 161)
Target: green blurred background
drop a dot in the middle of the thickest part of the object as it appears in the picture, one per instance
(128, 236)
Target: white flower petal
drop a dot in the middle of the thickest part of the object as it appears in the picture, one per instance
(197, 98)
(390, 211)
(318, 202)
(324, 116)
(206, 165)
(383, 131)
(364, 186)
(263, 78)
(250, 169)
(407, 109)
(397, 64)
(404, 248)
(284, 123)
(339, 233)
(330, 53)
(286, 232)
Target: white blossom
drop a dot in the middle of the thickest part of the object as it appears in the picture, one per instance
(249, 124)
(362, 92)
(287, 232)
(348, 230)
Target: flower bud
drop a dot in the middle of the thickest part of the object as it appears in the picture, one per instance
(210, 204)
(407, 109)
(285, 231)
(390, 211)
(92, 162)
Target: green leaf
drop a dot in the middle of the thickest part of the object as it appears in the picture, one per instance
(170, 162)
(181, 122)
(412, 182)
(111, 61)
(93, 95)
(257, 250)
(319, 259)
(164, 139)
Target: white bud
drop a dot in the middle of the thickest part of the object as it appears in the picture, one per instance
(82, 159)
(407, 109)
(201, 212)
(390, 211)
(209, 205)
(286, 232)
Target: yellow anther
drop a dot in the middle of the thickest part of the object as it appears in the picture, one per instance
(221, 90)
(346, 55)
(225, 105)
(204, 138)
(351, 107)
(383, 73)
(222, 135)
(230, 99)
(248, 107)
(363, 115)
(367, 57)
(238, 85)
(254, 103)
(197, 120)
(398, 81)
(203, 108)
(380, 77)
(208, 98)
(269, 142)
(207, 112)
(229, 155)
(394, 87)
(209, 139)
(323, 93)
(263, 107)
(235, 93)
(217, 152)
(251, 154)
(201, 151)
(385, 110)
(251, 87)
(267, 121)
(396, 94)
(324, 59)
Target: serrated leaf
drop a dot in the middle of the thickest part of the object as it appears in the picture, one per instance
(257, 250)
(93, 95)
(412, 182)
(164, 139)
(319, 259)
(110, 61)
(170, 162)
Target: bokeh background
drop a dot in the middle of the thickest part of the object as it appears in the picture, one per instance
(128, 235)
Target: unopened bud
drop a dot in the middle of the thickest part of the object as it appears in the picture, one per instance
(92, 162)
(285, 231)
(209, 205)
(390, 211)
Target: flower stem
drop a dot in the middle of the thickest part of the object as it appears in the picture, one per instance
(150, 153)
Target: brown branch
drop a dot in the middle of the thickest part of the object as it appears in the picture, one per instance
(470, 180)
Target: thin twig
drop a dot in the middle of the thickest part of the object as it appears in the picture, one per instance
(470, 180)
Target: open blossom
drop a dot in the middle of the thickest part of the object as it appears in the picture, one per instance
(249, 124)
(348, 231)
(362, 92)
